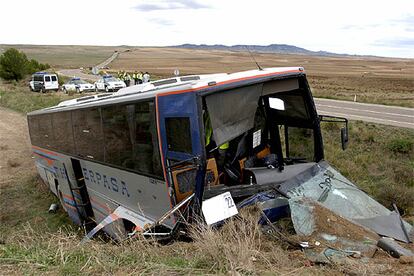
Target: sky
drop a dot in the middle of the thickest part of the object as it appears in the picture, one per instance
(363, 27)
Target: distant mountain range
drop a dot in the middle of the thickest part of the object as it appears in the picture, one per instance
(272, 48)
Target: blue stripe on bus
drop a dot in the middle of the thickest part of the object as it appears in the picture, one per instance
(44, 155)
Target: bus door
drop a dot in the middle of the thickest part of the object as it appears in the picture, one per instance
(181, 144)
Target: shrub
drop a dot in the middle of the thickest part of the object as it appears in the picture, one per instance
(400, 145)
(14, 65)
(35, 66)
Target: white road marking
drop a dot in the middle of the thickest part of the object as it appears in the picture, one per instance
(366, 104)
(365, 110)
(366, 117)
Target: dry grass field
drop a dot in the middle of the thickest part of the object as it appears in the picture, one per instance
(380, 159)
(373, 79)
(66, 56)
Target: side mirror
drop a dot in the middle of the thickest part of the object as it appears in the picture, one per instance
(344, 130)
(344, 137)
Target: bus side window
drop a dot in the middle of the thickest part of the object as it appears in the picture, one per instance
(118, 146)
(88, 133)
(62, 132)
(34, 130)
(45, 131)
(131, 137)
(178, 134)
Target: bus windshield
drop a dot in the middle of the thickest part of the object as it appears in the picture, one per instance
(265, 127)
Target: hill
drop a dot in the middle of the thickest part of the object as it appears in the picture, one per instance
(272, 48)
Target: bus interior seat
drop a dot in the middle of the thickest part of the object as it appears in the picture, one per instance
(212, 175)
(183, 179)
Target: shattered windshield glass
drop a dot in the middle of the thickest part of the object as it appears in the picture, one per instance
(338, 194)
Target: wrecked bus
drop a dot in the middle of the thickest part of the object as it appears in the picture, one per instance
(154, 156)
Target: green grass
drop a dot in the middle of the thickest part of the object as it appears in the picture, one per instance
(25, 204)
(396, 91)
(21, 99)
(380, 159)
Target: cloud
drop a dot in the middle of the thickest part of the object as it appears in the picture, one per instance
(408, 19)
(170, 5)
(161, 21)
(360, 27)
(396, 43)
(405, 22)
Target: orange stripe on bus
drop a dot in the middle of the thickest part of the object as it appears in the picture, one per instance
(106, 208)
(67, 196)
(48, 160)
(46, 151)
(114, 216)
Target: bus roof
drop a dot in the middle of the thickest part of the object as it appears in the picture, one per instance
(176, 85)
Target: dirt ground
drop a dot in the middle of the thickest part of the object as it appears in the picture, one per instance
(15, 152)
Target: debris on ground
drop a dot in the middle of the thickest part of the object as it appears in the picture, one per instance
(393, 248)
(327, 235)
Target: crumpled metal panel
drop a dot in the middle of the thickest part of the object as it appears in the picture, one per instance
(341, 196)
(389, 226)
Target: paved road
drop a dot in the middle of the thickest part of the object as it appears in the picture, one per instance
(79, 74)
(381, 114)
(107, 61)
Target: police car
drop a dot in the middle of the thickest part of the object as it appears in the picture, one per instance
(109, 83)
(78, 85)
(43, 81)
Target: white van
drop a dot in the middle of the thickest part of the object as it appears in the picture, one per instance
(42, 81)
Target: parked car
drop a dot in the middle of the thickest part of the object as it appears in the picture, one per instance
(109, 83)
(43, 81)
(78, 85)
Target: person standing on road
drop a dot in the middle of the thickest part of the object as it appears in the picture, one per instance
(140, 77)
(146, 77)
(135, 77)
(127, 79)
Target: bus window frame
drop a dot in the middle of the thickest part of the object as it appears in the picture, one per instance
(99, 107)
